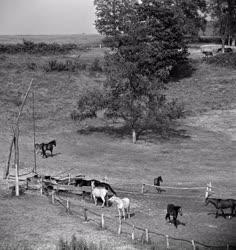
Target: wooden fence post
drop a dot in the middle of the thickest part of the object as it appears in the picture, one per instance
(17, 160)
(53, 196)
(193, 244)
(69, 179)
(120, 225)
(167, 242)
(207, 192)
(67, 206)
(132, 234)
(102, 222)
(146, 235)
(41, 186)
(85, 215)
(227, 246)
(143, 188)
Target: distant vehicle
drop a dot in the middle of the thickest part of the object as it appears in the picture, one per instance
(227, 50)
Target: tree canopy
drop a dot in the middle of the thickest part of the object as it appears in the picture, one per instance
(147, 39)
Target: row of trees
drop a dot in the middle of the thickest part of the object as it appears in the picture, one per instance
(147, 40)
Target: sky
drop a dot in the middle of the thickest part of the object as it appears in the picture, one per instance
(46, 17)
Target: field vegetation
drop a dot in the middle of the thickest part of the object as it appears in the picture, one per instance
(195, 150)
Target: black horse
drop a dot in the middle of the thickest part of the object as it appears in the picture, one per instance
(157, 182)
(82, 182)
(222, 204)
(173, 210)
(47, 147)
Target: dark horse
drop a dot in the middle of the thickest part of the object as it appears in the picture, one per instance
(157, 182)
(82, 182)
(46, 147)
(173, 210)
(222, 204)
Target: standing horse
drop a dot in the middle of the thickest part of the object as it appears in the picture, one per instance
(173, 210)
(222, 204)
(99, 192)
(157, 182)
(48, 147)
(123, 205)
(82, 182)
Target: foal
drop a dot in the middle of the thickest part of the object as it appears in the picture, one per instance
(157, 182)
(222, 204)
(173, 210)
(123, 205)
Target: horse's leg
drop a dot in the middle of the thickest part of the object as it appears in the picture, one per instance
(216, 213)
(119, 214)
(168, 216)
(128, 211)
(123, 211)
(223, 212)
(175, 221)
(103, 201)
(95, 200)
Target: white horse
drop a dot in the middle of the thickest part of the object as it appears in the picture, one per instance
(122, 204)
(99, 192)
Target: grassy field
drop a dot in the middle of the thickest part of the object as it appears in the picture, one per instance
(202, 149)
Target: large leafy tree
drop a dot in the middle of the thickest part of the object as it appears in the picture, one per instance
(223, 13)
(146, 40)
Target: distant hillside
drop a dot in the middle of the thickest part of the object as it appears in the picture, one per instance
(77, 39)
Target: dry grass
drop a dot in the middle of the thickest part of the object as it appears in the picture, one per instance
(193, 157)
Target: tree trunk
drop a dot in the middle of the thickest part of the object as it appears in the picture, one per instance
(134, 136)
(233, 41)
(223, 44)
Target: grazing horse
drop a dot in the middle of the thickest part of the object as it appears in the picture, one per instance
(173, 210)
(82, 182)
(99, 192)
(157, 182)
(222, 204)
(122, 205)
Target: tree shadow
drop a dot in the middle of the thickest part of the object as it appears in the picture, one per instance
(182, 70)
(151, 135)
(178, 223)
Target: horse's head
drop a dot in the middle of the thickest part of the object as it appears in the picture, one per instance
(92, 184)
(112, 199)
(160, 178)
(180, 211)
(54, 143)
(207, 201)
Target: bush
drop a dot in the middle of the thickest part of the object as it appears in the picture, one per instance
(96, 66)
(77, 244)
(209, 39)
(37, 48)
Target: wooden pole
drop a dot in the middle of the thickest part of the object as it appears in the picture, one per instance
(53, 196)
(69, 179)
(17, 161)
(193, 244)
(41, 186)
(35, 164)
(146, 235)
(17, 122)
(120, 225)
(102, 222)
(85, 214)
(142, 188)
(167, 242)
(132, 234)
(227, 246)
(67, 206)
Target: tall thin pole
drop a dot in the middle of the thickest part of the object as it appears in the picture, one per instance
(35, 165)
(17, 160)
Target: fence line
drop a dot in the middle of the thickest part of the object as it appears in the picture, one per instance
(133, 227)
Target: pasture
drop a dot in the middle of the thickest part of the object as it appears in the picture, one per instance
(200, 149)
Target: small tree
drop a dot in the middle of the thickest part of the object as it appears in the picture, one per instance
(147, 40)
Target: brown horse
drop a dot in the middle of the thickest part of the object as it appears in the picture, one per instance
(222, 204)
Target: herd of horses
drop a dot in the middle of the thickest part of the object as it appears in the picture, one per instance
(101, 189)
